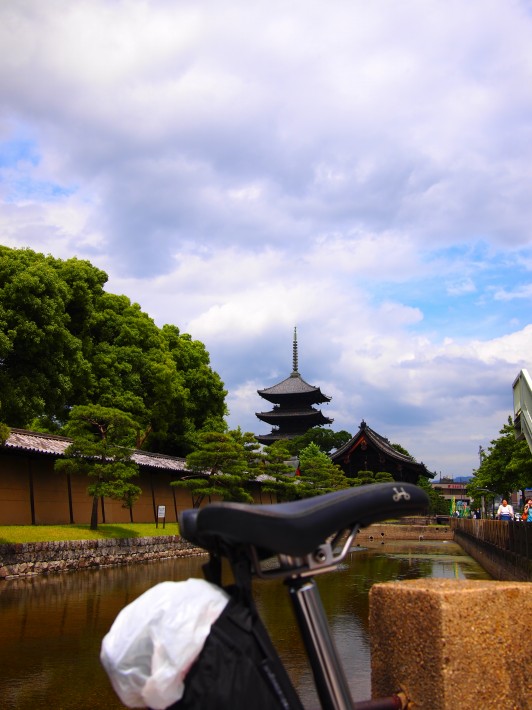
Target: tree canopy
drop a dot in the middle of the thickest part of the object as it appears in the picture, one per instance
(506, 467)
(222, 466)
(317, 473)
(326, 440)
(64, 341)
(364, 478)
(438, 505)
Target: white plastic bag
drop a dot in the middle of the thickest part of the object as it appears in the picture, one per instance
(154, 641)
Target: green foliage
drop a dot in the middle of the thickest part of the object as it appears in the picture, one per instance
(101, 448)
(401, 450)
(365, 478)
(5, 431)
(279, 474)
(64, 342)
(505, 468)
(191, 359)
(438, 505)
(41, 361)
(325, 439)
(318, 474)
(222, 466)
(383, 477)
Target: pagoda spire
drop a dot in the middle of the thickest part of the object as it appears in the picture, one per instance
(294, 357)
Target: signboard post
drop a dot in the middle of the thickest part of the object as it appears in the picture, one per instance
(161, 514)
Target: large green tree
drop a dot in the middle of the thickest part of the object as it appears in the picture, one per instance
(101, 448)
(506, 467)
(64, 341)
(41, 360)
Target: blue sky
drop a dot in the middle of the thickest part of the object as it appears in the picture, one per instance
(360, 170)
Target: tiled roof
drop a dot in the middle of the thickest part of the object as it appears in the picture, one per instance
(380, 442)
(23, 440)
(35, 441)
(294, 384)
(173, 463)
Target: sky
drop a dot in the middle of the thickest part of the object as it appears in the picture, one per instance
(360, 170)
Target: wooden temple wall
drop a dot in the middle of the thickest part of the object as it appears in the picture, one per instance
(33, 493)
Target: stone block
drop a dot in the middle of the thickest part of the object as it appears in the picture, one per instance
(452, 644)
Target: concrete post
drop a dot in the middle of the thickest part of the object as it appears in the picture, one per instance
(452, 644)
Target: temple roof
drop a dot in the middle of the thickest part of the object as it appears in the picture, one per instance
(366, 435)
(37, 442)
(294, 385)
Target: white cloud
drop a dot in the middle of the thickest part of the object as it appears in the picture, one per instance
(511, 294)
(360, 170)
(461, 287)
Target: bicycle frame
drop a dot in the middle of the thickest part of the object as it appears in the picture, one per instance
(298, 573)
(329, 676)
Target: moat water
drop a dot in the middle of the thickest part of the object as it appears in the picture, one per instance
(51, 628)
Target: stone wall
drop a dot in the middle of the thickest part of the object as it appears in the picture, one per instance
(32, 558)
(390, 531)
(51, 557)
(501, 564)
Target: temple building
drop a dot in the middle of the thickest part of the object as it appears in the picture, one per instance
(293, 413)
(369, 451)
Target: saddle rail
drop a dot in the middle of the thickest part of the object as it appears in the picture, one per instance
(297, 529)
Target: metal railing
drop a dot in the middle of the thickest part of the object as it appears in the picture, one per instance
(514, 537)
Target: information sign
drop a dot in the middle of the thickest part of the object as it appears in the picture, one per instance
(161, 515)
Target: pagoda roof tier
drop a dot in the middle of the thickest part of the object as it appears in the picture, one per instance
(295, 387)
(308, 417)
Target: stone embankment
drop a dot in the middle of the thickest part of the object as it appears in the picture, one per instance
(31, 558)
(17, 560)
(390, 531)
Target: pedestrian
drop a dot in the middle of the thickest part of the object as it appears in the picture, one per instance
(528, 511)
(505, 511)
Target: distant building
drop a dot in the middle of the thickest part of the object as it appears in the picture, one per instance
(451, 490)
(369, 451)
(454, 491)
(293, 413)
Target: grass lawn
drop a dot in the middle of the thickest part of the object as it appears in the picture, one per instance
(54, 533)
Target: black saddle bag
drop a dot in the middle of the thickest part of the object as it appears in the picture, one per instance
(238, 666)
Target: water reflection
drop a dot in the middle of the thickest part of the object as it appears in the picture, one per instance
(52, 626)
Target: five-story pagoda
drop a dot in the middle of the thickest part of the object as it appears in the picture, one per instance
(293, 413)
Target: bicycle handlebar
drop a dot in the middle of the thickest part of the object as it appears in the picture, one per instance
(297, 528)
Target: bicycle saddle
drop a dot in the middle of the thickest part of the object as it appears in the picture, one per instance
(297, 528)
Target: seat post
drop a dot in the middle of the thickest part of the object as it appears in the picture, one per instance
(329, 676)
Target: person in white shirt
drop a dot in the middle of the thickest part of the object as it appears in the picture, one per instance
(505, 511)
